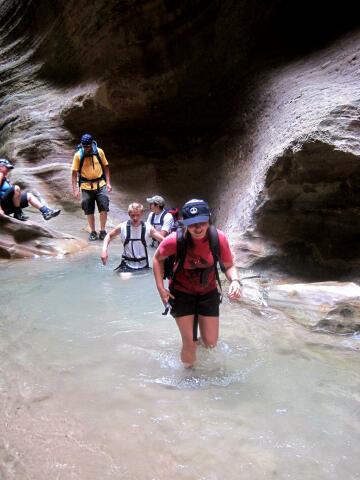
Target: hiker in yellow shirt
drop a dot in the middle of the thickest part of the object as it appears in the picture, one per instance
(90, 174)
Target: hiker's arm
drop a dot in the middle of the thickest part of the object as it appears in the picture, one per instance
(155, 234)
(233, 277)
(74, 179)
(1, 210)
(167, 225)
(107, 240)
(158, 268)
(107, 177)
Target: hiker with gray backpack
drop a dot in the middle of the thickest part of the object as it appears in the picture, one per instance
(188, 258)
(90, 175)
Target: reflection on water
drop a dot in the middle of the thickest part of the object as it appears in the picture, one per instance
(91, 386)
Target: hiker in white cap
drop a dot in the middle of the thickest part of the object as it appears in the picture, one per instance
(161, 219)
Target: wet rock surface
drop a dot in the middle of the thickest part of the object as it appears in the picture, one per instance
(328, 306)
(29, 239)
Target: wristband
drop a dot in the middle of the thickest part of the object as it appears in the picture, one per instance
(237, 280)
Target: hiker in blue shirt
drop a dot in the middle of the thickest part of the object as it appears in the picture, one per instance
(13, 200)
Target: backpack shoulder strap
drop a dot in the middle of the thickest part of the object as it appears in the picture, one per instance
(97, 154)
(152, 218)
(143, 240)
(143, 233)
(128, 233)
(175, 262)
(162, 216)
(215, 246)
(181, 246)
(215, 251)
(80, 149)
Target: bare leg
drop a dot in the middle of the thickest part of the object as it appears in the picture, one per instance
(47, 212)
(17, 196)
(103, 217)
(188, 352)
(209, 330)
(91, 221)
(34, 201)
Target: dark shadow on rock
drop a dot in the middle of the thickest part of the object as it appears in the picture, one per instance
(310, 211)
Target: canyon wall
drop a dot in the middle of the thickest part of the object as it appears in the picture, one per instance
(250, 105)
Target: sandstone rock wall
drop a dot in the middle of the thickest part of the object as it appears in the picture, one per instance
(299, 196)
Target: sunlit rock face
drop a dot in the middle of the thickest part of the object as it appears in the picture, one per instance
(322, 306)
(299, 201)
(226, 100)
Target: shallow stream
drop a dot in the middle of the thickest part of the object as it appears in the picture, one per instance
(91, 386)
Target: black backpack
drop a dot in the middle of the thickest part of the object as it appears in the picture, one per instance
(174, 263)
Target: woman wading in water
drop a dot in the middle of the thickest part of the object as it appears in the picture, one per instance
(193, 296)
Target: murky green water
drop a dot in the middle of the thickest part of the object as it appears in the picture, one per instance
(91, 386)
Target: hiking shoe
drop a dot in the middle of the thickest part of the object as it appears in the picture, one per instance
(21, 216)
(102, 234)
(49, 213)
(93, 236)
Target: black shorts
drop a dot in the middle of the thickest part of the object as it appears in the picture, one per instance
(89, 197)
(7, 201)
(186, 304)
(123, 268)
(126, 269)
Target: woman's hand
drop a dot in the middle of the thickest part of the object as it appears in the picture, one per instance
(165, 295)
(234, 289)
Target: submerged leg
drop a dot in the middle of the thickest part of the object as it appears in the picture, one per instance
(209, 330)
(188, 351)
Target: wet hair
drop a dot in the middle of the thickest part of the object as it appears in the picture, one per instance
(135, 206)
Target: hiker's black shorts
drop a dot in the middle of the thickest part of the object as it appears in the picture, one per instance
(123, 268)
(186, 304)
(89, 197)
(7, 201)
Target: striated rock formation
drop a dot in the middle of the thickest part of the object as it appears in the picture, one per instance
(299, 183)
(21, 240)
(252, 105)
(328, 306)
